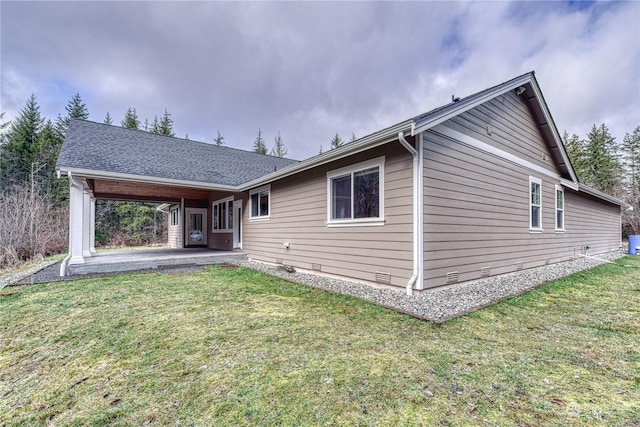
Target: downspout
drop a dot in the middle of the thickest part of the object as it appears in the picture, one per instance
(416, 236)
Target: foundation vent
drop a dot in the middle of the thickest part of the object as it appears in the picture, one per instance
(519, 265)
(278, 260)
(452, 277)
(485, 272)
(546, 261)
(383, 277)
(316, 267)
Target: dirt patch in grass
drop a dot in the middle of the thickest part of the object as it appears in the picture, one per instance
(237, 347)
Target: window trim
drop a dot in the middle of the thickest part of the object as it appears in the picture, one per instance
(175, 210)
(532, 229)
(261, 189)
(351, 169)
(559, 189)
(229, 228)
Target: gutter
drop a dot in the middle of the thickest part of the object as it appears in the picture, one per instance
(416, 230)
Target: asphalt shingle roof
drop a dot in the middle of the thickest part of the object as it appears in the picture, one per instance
(100, 147)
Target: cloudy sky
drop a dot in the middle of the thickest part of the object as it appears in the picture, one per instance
(311, 69)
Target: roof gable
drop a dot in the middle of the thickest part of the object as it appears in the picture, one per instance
(536, 103)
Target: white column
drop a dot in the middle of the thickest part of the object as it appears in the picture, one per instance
(86, 223)
(92, 227)
(76, 217)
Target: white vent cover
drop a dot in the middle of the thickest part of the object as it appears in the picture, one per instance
(316, 267)
(383, 277)
(519, 265)
(485, 271)
(278, 260)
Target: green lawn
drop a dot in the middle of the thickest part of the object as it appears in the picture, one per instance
(237, 347)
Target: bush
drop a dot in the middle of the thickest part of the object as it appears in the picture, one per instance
(30, 226)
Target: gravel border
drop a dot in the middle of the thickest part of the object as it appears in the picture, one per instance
(441, 304)
(29, 272)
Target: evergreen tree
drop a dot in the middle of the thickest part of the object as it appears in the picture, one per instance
(145, 127)
(219, 140)
(602, 169)
(353, 137)
(336, 141)
(279, 149)
(76, 109)
(131, 120)
(107, 119)
(20, 149)
(166, 124)
(155, 125)
(258, 145)
(320, 152)
(631, 152)
(574, 147)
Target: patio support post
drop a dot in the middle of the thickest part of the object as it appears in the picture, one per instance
(86, 222)
(92, 227)
(76, 217)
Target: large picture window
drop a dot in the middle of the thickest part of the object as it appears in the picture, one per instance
(535, 202)
(356, 194)
(260, 200)
(559, 208)
(222, 213)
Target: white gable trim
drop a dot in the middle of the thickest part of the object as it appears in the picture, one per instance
(494, 151)
(465, 106)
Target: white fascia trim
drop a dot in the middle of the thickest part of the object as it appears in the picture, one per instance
(554, 129)
(494, 151)
(366, 143)
(464, 106)
(599, 194)
(88, 173)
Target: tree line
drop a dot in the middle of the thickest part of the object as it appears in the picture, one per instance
(609, 166)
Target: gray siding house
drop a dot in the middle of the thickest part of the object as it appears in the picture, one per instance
(478, 187)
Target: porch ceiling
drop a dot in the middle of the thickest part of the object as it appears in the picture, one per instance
(143, 192)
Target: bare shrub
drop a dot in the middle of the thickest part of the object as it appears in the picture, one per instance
(30, 226)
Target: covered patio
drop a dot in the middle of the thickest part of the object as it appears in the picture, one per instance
(150, 259)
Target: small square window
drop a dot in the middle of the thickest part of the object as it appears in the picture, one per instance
(260, 200)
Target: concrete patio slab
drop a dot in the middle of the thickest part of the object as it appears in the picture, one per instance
(118, 261)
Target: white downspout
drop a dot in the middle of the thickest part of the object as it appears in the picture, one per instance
(416, 230)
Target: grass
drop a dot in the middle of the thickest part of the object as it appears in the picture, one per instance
(237, 347)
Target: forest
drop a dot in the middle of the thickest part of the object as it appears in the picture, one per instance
(34, 202)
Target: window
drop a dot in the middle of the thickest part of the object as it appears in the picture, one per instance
(535, 201)
(559, 208)
(356, 194)
(260, 199)
(174, 216)
(222, 214)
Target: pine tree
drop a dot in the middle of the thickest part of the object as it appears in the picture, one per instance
(155, 125)
(353, 137)
(76, 109)
(602, 169)
(20, 148)
(320, 152)
(336, 141)
(166, 124)
(631, 152)
(258, 145)
(131, 120)
(219, 140)
(107, 119)
(279, 149)
(574, 147)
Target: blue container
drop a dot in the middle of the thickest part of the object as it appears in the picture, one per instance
(634, 242)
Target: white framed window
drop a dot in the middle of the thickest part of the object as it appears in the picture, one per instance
(559, 208)
(175, 218)
(260, 203)
(222, 215)
(355, 194)
(535, 204)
